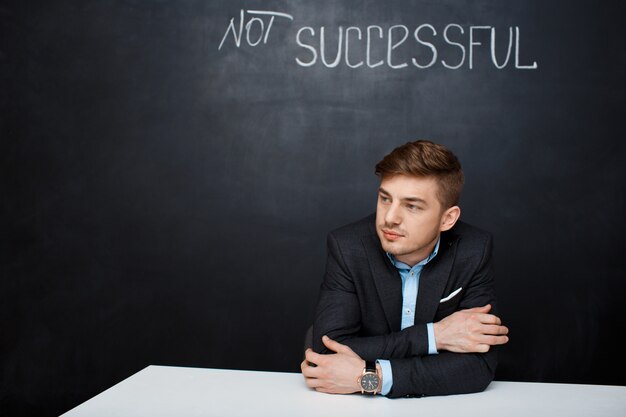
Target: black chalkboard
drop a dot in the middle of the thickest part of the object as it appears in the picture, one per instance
(169, 171)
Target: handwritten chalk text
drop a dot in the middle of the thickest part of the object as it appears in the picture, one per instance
(374, 45)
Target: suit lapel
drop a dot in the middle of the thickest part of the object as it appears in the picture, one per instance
(386, 279)
(434, 278)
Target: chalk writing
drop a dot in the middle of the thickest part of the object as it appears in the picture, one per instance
(374, 45)
(264, 32)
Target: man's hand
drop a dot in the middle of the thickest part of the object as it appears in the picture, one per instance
(471, 330)
(336, 373)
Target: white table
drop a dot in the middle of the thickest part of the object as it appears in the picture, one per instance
(186, 392)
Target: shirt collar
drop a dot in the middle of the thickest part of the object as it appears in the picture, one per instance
(402, 265)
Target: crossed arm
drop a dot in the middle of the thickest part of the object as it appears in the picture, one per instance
(466, 331)
(465, 363)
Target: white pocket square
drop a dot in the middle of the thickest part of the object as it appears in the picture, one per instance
(455, 292)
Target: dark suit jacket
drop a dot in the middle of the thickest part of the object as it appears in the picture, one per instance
(360, 305)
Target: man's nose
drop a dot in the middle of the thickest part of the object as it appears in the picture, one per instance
(392, 216)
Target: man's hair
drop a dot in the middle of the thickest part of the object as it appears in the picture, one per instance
(423, 158)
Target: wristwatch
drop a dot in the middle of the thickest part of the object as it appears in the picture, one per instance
(369, 381)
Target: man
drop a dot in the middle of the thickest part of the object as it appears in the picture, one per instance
(407, 301)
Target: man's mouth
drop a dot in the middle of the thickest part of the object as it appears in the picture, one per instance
(391, 235)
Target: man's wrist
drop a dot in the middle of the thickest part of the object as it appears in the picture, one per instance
(358, 380)
(379, 372)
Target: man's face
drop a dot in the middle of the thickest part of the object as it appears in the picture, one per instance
(409, 217)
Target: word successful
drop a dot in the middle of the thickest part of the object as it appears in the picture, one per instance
(374, 46)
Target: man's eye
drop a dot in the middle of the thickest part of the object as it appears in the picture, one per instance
(384, 199)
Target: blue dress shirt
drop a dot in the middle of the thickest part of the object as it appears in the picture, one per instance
(410, 284)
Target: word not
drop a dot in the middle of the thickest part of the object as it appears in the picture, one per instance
(396, 36)
(255, 21)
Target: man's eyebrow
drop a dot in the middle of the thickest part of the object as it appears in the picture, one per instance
(381, 190)
(415, 200)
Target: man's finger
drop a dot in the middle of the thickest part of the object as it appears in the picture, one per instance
(488, 319)
(494, 329)
(483, 309)
(312, 382)
(482, 348)
(493, 340)
(336, 346)
(311, 372)
(307, 364)
(312, 357)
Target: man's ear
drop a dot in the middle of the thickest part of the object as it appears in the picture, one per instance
(449, 218)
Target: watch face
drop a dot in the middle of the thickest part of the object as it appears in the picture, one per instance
(369, 382)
